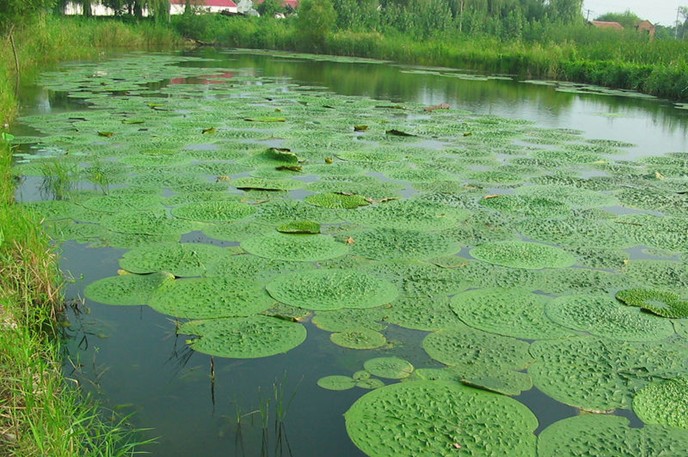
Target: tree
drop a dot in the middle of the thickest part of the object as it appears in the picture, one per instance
(316, 19)
(565, 11)
(17, 12)
(269, 8)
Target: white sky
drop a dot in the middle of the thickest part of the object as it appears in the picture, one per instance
(656, 11)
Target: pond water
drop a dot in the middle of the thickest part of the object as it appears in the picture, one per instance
(528, 199)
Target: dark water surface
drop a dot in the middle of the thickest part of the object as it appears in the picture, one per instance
(134, 361)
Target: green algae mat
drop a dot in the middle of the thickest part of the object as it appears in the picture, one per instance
(255, 212)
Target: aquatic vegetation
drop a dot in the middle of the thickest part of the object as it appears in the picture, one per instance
(126, 289)
(422, 312)
(332, 289)
(663, 402)
(391, 244)
(601, 374)
(539, 207)
(420, 418)
(152, 222)
(295, 247)
(341, 320)
(411, 214)
(341, 201)
(462, 346)
(659, 302)
(214, 211)
(180, 259)
(519, 254)
(244, 337)
(388, 367)
(514, 312)
(609, 435)
(359, 338)
(337, 382)
(601, 315)
(302, 227)
(209, 298)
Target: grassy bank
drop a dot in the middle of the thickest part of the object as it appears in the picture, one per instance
(580, 53)
(40, 413)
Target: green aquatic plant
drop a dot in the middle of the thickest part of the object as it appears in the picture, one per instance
(60, 178)
(295, 247)
(661, 303)
(389, 367)
(422, 312)
(149, 222)
(180, 259)
(601, 315)
(514, 312)
(254, 183)
(440, 419)
(337, 201)
(116, 202)
(244, 337)
(359, 338)
(603, 434)
(392, 243)
(302, 227)
(126, 289)
(207, 298)
(337, 382)
(663, 402)
(494, 379)
(214, 211)
(342, 320)
(332, 289)
(601, 374)
(419, 279)
(462, 346)
(408, 214)
(526, 206)
(520, 254)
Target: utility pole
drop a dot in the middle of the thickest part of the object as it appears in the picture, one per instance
(587, 16)
(678, 9)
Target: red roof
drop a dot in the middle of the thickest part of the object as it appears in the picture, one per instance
(215, 3)
(607, 25)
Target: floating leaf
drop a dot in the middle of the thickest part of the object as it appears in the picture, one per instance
(292, 247)
(663, 402)
(214, 211)
(337, 382)
(420, 418)
(128, 289)
(333, 200)
(661, 303)
(303, 227)
(605, 435)
(519, 254)
(188, 259)
(389, 367)
(359, 338)
(390, 243)
(244, 338)
(332, 289)
(601, 315)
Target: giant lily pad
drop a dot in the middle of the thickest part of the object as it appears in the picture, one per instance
(146, 223)
(407, 214)
(599, 373)
(661, 303)
(359, 338)
(214, 211)
(512, 312)
(519, 254)
(128, 289)
(179, 259)
(390, 243)
(295, 247)
(463, 346)
(342, 201)
(205, 298)
(663, 402)
(244, 337)
(389, 367)
(440, 419)
(332, 289)
(601, 315)
(605, 435)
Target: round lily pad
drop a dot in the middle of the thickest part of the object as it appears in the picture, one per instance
(341, 320)
(661, 303)
(422, 312)
(337, 382)
(128, 289)
(359, 338)
(663, 402)
(146, 223)
(440, 419)
(187, 259)
(407, 215)
(370, 383)
(606, 435)
(527, 206)
(304, 227)
(601, 315)
(332, 200)
(515, 312)
(332, 289)
(390, 243)
(388, 367)
(244, 337)
(462, 346)
(206, 298)
(297, 247)
(599, 373)
(214, 211)
(519, 254)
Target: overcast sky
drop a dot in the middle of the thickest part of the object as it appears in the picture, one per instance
(656, 11)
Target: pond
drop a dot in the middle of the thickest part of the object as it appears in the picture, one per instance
(290, 255)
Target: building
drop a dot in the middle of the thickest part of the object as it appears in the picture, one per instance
(606, 25)
(208, 6)
(646, 26)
